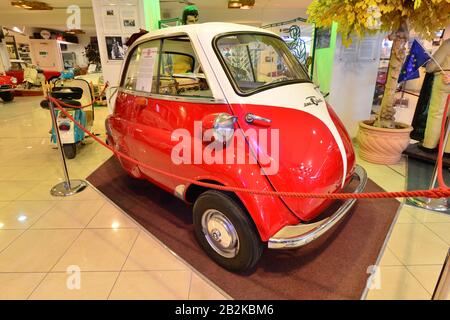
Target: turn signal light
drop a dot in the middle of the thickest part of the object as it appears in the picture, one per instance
(223, 126)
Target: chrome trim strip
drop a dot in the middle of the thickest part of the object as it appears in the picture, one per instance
(173, 98)
(324, 225)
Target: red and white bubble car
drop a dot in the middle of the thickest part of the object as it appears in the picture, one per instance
(230, 105)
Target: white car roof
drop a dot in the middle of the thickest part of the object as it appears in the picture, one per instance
(204, 31)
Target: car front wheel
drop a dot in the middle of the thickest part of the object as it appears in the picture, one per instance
(7, 96)
(225, 231)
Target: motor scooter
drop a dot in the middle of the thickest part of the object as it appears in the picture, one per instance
(33, 77)
(74, 92)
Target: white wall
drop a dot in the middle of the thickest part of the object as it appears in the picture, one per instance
(110, 68)
(352, 87)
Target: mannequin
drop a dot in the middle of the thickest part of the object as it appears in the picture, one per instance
(421, 113)
(190, 15)
(440, 90)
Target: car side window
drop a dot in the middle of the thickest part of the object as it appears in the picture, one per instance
(181, 73)
(141, 73)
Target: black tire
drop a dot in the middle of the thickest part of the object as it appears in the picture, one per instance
(249, 244)
(7, 96)
(70, 150)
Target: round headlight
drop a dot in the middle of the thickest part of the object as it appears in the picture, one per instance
(14, 80)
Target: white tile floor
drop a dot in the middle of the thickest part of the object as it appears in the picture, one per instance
(415, 252)
(41, 236)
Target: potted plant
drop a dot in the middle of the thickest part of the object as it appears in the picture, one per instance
(383, 140)
(92, 53)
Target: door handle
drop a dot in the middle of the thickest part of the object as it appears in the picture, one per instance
(252, 118)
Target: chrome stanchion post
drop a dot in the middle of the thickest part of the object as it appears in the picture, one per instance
(440, 204)
(67, 187)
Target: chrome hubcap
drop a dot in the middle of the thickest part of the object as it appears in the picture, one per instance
(220, 233)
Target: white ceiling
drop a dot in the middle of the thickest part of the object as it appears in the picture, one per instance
(265, 11)
(51, 19)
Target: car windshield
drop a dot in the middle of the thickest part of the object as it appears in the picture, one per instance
(255, 61)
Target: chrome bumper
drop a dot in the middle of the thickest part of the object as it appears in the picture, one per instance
(304, 233)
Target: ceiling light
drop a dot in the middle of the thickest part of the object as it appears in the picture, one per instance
(234, 4)
(31, 5)
(16, 29)
(247, 4)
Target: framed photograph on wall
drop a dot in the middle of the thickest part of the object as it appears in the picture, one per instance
(129, 20)
(115, 47)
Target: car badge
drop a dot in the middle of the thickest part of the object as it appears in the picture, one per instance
(312, 100)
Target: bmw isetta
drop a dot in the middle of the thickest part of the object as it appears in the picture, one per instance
(230, 105)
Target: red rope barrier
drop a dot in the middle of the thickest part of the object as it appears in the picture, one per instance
(442, 192)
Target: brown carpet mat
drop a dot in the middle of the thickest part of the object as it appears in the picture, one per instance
(413, 151)
(332, 267)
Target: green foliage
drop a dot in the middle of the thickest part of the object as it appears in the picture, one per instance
(367, 16)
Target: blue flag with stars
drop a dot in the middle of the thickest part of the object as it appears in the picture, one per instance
(415, 59)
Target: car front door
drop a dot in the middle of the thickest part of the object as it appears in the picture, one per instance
(180, 97)
(133, 95)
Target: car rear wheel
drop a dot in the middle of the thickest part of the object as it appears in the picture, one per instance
(70, 150)
(225, 231)
(7, 96)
